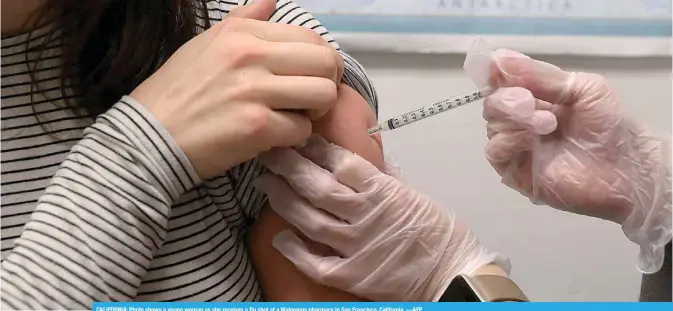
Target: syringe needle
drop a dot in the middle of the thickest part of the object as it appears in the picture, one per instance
(377, 129)
(429, 111)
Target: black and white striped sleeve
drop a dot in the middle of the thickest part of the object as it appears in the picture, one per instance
(105, 213)
(356, 77)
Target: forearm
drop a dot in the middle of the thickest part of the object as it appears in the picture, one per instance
(94, 231)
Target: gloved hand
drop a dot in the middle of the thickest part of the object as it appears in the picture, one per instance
(594, 161)
(394, 243)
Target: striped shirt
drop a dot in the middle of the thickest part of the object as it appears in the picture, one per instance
(112, 209)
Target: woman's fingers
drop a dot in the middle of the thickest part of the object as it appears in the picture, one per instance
(258, 9)
(274, 32)
(229, 94)
(290, 40)
(286, 129)
(294, 93)
(304, 77)
(302, 59)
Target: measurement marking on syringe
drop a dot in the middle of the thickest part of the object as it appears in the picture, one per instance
(427, 111)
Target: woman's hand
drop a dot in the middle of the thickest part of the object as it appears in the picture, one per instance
(243, 87)
(393, 243)
(592, 160)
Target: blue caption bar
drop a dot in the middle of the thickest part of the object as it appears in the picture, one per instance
(376, 306)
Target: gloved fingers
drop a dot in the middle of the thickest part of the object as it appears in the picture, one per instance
(541, 122)
(490, 132)
(544, 80)
(504, 146)
(315, 223)
(312, 265)
(317, 185)
(350, 169)
(517, 174)
(288, 163)
(505, 125)
(391, 166)
(546, 183)
(516, 108)
(508, 101)
(575, 183)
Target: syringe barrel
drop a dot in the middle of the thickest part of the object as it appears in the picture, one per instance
(431, 110)
(436, 108)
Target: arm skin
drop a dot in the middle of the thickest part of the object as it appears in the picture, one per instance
(345, 125)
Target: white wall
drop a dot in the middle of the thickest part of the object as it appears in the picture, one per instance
(556, 256)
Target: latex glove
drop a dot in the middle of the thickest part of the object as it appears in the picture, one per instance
(596, 161)
(394, 243)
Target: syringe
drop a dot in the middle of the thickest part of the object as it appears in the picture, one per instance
(430, 110)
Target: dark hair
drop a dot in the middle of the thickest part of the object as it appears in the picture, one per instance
(108, 47)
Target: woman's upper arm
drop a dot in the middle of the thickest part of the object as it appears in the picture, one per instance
(345, 125)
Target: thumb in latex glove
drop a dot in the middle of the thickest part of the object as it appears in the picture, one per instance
(594, 161)
(393, 243)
